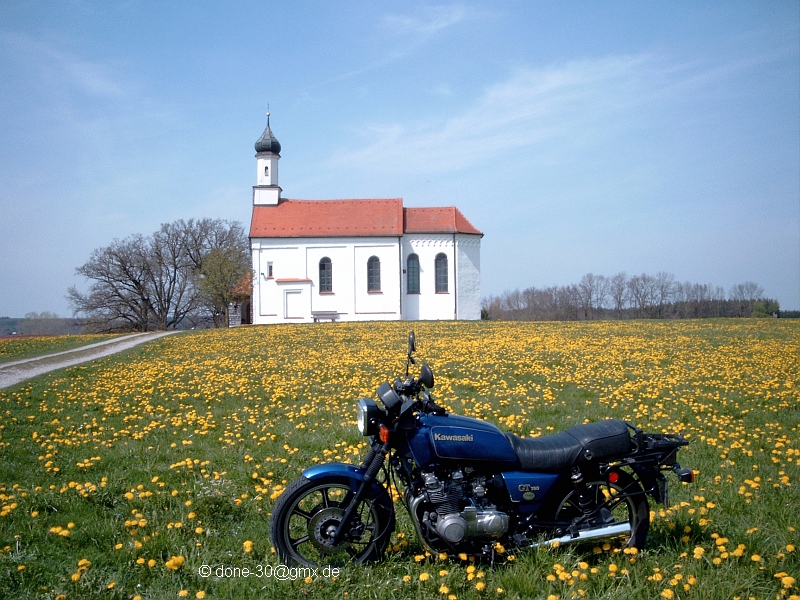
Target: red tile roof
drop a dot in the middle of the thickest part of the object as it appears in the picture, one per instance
(328, 218)
(441, 219)
(353, 218)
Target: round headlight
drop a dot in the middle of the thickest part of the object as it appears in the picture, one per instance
(369, 414)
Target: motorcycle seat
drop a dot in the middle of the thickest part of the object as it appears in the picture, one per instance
(558, 451)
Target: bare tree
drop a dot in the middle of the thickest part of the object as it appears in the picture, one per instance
(142, 283)
(664, 287)
(745, 295)
(618, 290)
(749, 291)
(642, 291)
(593, 291)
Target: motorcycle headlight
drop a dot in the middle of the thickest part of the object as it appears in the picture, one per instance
(369, 415)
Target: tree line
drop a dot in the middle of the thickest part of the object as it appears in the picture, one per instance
(642, 296)
(183, 275)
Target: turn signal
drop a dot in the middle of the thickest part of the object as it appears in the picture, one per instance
(685, 475)
(384, 434)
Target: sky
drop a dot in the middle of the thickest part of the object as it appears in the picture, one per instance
(579, 137)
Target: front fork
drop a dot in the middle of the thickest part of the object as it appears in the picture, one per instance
(372, 464)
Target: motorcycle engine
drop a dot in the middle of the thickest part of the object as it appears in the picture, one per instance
(478, 517)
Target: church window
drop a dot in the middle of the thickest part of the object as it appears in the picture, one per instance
(441, 273)
(373, 274)
(325, 275)
(412, 274)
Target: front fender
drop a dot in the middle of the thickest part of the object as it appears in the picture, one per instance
(336, 469)
(353, 473)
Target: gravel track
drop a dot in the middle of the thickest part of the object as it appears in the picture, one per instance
(12, 373)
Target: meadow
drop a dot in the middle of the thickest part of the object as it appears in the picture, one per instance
(128, 477)
(14, 348)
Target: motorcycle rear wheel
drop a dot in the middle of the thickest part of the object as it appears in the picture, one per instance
(308, 512)
(625, 500)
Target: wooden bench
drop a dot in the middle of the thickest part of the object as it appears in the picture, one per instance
(324, 315)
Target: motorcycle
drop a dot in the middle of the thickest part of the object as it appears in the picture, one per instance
(468, 487)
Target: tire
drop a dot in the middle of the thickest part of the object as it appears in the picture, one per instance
(307, 512)
(633, 508)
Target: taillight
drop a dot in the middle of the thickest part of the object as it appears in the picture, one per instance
(613, 477)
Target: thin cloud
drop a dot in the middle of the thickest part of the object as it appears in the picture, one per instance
(407, 32)
(61, 68)
(428, 22)
(530, 107)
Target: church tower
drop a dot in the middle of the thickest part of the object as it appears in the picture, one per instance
(268, 153)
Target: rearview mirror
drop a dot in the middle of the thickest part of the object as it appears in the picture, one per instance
(426, 377)
(412, 342)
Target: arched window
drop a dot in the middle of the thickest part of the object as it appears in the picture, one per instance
(373, 274)
(441, 273)
(325, 275)
(412, 274)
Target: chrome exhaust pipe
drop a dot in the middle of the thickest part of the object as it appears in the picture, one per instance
(613, 530)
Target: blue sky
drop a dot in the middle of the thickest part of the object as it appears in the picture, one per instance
(578, 136)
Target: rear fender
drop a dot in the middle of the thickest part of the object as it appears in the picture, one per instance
(653, 481)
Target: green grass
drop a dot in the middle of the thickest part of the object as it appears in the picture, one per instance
(179, 447)
(17, 348)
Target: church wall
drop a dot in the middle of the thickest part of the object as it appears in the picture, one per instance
(429, 305)
(469, 277)
(292, 293)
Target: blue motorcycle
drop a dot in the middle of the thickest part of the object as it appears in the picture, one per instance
(467, 486)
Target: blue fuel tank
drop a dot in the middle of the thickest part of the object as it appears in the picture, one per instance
(453, 440)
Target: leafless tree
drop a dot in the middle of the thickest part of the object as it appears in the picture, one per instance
(664, 287)
(592, 290)
(149, 283)
(618, 290)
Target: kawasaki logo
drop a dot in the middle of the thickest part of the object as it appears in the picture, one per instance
(438, 437)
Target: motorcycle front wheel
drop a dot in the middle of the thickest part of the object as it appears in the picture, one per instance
(624, 500)
(307, 514)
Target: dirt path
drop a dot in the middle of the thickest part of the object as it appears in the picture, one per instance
(17, 371)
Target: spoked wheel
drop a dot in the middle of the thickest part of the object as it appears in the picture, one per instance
(308, 513)
(621, 501)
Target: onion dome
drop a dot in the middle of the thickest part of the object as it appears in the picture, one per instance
(267, 141)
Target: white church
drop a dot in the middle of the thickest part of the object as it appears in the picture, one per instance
(357, 260)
